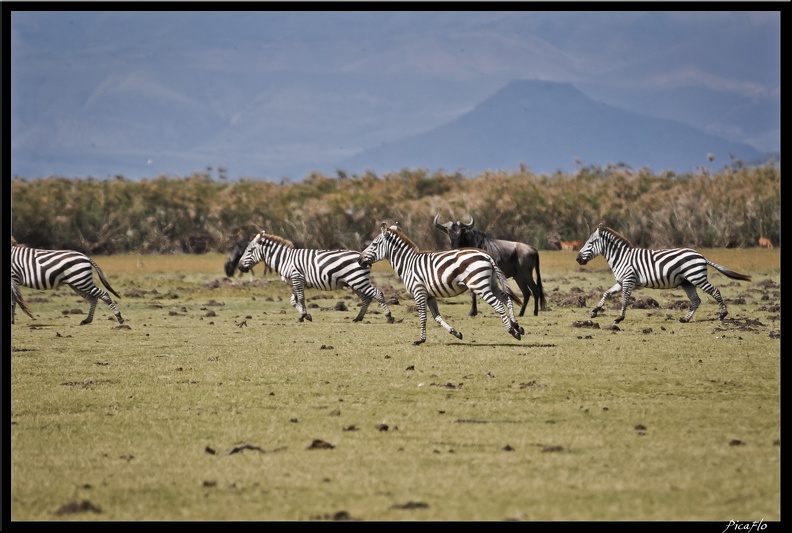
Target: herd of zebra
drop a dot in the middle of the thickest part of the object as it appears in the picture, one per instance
(483, 269)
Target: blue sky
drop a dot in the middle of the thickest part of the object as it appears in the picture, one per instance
(280, 93)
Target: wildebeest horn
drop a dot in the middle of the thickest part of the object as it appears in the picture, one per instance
(467, 225)
(443, 227)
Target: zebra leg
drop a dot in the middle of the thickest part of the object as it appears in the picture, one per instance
(695, 301)
(298, 299)
(381, 299)
(420, 303)
(366, 301)
(89, 319)
(504, 299)
(93, 297)
(13, 301)
(432, 304)
(713, 291)
(627, 288)
(496, 301)
(109, 301)
(616, 288)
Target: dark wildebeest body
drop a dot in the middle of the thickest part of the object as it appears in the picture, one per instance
(516, 259)
(236, 255)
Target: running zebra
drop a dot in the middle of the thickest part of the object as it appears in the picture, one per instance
(49, 269)
(657, 269)
(431, 275)
(326, 270)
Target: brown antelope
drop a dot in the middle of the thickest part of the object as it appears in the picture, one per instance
(571, 245)
(764, 242)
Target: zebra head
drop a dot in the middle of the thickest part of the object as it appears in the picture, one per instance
(377, 250)
(592, 248)
(252, 253)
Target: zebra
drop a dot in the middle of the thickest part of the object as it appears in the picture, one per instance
(443, 274)
(656, 269)
(49, 269)
(309, 268)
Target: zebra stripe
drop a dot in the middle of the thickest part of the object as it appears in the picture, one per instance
(431, 275)
(49, 269)
(656, 269)
(325, 270)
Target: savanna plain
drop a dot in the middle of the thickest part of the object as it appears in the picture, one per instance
(213, 403)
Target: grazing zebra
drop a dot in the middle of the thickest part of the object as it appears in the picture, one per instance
(656, 269)
(431, 275)
(48, 269)
(306, 268)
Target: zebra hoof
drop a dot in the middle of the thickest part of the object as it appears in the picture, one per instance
(390, 320)
(85, 322)
(457, 334)
(419, 342)
(722, 315)
(516, 334)
(684, 320)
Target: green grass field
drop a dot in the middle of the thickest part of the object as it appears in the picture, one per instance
(212, 402)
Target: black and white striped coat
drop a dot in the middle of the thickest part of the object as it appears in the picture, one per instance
(431, 275)
(656, 269)
(303, 268)
(49, 269)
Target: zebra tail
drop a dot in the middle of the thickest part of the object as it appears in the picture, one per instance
(22, 305)
(504, 283)
(104, 280)
(729, 273)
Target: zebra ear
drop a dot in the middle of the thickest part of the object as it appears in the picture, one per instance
(383, 227)
(601, 225)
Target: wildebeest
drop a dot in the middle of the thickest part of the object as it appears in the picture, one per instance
(516, 259)
(233, 259)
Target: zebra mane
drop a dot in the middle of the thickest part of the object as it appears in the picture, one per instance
(277, 240)
(403, 237)
(617, 236)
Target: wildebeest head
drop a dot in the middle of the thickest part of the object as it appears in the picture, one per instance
(458, 232)
(232, 262)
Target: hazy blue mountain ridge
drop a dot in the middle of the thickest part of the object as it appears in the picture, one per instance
(552, 126)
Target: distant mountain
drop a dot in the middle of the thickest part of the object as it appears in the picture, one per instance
(552, 126)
